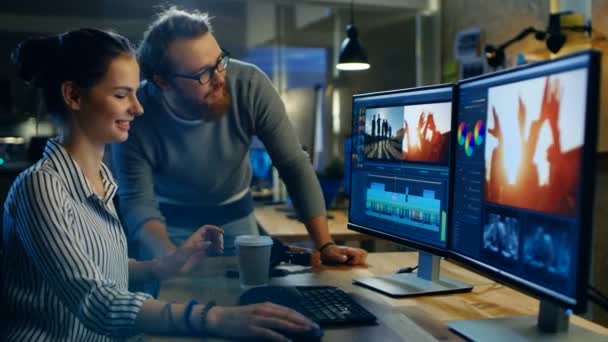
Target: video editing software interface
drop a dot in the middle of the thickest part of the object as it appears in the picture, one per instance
(517, 177)
(400, 163)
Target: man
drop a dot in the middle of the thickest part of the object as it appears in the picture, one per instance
(185, 163)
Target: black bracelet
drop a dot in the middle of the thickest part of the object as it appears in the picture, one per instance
(187, 313)
(325, 245)
(204, 313)
(168, 309)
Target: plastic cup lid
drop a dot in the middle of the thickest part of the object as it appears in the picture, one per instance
(253, 240)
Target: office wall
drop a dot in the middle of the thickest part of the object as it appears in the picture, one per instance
(498, 20)
(501, 21)
(599, 15)
(599, 249)
(391, 51)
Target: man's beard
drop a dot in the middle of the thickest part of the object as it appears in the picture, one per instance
(216, 110)
(208, 111)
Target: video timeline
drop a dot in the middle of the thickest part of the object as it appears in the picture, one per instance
(407, 202)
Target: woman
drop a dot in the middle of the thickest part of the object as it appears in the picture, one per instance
(63, 242)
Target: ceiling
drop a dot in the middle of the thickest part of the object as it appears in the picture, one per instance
(131, 17)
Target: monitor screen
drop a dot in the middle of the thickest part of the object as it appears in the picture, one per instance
(400, 165)
(524, 146)
(261, 168)
(347, 162)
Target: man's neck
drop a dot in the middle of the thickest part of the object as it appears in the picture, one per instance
(180, 112)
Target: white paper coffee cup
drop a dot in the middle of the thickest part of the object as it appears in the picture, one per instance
(253, 253)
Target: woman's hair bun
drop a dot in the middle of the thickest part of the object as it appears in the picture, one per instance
(37, 59)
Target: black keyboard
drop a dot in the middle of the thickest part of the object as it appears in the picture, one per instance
(326, 305)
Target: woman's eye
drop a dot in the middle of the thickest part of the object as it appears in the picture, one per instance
(120, 96)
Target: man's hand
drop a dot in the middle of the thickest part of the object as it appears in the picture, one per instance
(335, 254)
(207, 239)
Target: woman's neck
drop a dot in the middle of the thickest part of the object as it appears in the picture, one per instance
(87, 154)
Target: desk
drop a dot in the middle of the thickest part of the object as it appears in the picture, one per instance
(413, 319)
(273, 219)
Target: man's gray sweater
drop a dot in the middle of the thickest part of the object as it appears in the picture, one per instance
(198, 163)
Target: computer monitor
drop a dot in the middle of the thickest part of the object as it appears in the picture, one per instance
(522, 188)
(348, 152)
(261, 171)
(400, 181)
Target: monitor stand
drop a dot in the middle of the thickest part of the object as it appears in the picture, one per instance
(426, 281)
(552, 324)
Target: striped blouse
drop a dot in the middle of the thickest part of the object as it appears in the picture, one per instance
(65, 266)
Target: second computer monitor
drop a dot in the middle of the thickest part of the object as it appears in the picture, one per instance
(525, 148)
(400, 176)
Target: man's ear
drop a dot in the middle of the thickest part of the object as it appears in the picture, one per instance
(72, 95)
(161, 82)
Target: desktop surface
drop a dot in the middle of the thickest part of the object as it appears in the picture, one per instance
(413, 319)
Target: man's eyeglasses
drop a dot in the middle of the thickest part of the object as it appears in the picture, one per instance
(205, 75)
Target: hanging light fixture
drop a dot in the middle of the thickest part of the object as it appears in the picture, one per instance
(352, 54)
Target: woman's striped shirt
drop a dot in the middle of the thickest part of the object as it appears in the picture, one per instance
(65, 265)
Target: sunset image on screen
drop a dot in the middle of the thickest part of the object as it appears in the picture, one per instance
(425, 132)
(534, 140)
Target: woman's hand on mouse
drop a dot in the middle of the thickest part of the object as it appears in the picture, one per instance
(264, 320)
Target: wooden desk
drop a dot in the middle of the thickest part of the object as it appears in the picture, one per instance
(274, 220)
(414, 319)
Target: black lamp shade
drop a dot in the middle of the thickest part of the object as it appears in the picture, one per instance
(352, 54)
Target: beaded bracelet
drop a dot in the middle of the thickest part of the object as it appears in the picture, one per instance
(204, 313)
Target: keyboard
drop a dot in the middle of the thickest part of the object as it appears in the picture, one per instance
(326, 305)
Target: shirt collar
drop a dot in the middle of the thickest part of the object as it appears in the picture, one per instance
(73, 175)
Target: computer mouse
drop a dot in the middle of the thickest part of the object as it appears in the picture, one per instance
(282, 295)
(305, 336)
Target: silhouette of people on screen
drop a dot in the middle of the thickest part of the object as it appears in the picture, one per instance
(373, 127)
(383, 129)
(558, 195)
(564, 166)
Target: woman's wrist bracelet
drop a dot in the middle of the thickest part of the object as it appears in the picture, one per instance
(204, 314)
(187, 313)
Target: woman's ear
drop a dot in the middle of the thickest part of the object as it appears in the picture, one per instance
(72, 95)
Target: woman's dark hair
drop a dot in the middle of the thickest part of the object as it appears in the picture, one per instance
(170, 25)
(81, 56)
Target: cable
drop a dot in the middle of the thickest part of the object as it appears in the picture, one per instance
(407, 269)
(597, 297)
